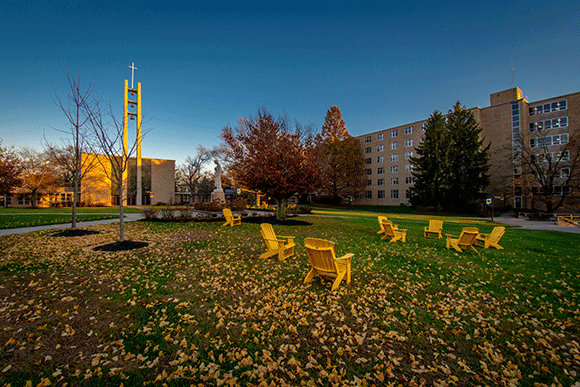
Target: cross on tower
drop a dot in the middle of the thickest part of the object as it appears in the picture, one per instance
(133, 68)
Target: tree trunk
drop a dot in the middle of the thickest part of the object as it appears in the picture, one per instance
(121, 215)
(74, 205)
(282, 203)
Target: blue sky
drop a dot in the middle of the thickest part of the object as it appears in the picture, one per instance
(201, 67)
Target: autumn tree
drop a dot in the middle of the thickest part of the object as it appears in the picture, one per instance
(38, 173)
(273, 157)
(451, 166)
(77, 108)
(10, 168)
(342, 164)
(430, 164)
(191, 171)
(552, 166)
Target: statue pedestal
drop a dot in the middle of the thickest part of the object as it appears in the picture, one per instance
(218, 194)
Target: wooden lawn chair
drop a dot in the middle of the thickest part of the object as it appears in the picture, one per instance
(434, 230)
(463, 241)
(382, 230)
(392, 231)
(283, 248)
(230, 219)
(490, 240)
(322, 257)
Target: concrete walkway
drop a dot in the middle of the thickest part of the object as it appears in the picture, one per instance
(130, 217)
(536, 224)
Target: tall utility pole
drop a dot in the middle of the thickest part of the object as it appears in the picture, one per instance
(134, 115)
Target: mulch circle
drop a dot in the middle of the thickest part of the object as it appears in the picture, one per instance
(272, 220)
(121, 246)
(75, 233)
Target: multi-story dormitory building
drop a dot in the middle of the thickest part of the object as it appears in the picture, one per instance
(387, 152)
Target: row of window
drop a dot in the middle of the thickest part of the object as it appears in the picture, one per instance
(394, 181)
(556, 139)
(548, 107)
(554, 156)
(394, 157)
(394, 169)
(556, 190)
(394, 133)
(394, 145)
(549, 124)
(381, 194)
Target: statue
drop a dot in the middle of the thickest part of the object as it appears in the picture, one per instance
(218, 175)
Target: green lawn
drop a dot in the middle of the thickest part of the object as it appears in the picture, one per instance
(67, 210)
(197, 307)
(29, 220)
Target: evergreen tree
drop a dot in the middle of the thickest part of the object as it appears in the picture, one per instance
(429, 167)
(451, 166)
(468, 161)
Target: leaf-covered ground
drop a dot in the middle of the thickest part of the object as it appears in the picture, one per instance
(197, 307)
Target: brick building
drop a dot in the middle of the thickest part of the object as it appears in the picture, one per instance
(546, 125)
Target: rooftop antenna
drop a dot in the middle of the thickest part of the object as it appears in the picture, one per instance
(513, 82)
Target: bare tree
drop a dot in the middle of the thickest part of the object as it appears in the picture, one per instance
(190, 172)
(552, 164)
(77, 109)
(111, 154)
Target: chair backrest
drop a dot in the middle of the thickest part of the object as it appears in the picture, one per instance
(435, 225)
(269, 236)
(467, 236)
(321, 254)
(496, 234)
(381, 218)
(387, 225)
(228, 213)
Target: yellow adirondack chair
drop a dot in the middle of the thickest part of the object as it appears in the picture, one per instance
(392, 231)
(230, 219)
(463, 241)
(283, 248)
(434, 230)
(322, 257)
(490, 240)
(382, 230)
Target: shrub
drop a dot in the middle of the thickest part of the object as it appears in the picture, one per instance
(238, 204)
(149, 213)
(186, 213)
(167, 213)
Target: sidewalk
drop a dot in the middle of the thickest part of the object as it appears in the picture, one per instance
(536, 224)
(130, 217)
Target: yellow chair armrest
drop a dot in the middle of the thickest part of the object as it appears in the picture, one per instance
(345, 257)
(291, 238)
(451, 236)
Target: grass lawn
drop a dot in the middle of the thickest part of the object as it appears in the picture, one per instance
(67, 210)
(29, 220)
(197, 307)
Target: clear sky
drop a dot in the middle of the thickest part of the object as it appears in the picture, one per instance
(201, 67)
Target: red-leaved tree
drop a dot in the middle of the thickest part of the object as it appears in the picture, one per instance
(272, 157)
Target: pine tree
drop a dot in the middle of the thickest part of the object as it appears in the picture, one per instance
(429, 167)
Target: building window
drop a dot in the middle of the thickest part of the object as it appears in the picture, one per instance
(380, 159)
(380, 171)
(394, 145)
(556, 139)
(368, 161)
(368, 150)
(423, 126)
(381, 182)
(369, 194)
(368, 172)
(394, 169)
(394, 133)
(409, 180)
(381, 194)
(409, 142)
(394, 181)
(368, 139)
(565, 173)
(548, 107)
(549, 124)
(379, 148)
(369, 183)
(409, 168)
(394, 194)
(379, 136)
(394, 157)
(409, 130)
(408, 155)
(408, 193)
